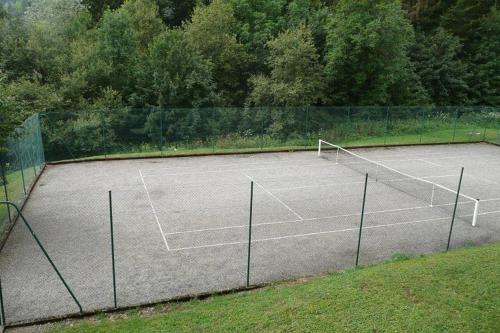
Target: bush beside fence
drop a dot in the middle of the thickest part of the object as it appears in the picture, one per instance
(154, 132)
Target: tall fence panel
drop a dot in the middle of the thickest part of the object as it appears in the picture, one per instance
(19, 166)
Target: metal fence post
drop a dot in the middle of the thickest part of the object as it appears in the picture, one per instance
(2, 310)
(249, 233)
(23, 219)
(307, 128)
(455, 126)
(361, 222)
(386, 125)
(161, 132)
(112, 246)
(103, 134)
(19, 156)
(455, 209)
(4, 181)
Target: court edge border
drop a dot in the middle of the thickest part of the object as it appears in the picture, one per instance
(165, 301)
(256, 151)
(6, 236)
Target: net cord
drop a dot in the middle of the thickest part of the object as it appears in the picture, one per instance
(434, 185)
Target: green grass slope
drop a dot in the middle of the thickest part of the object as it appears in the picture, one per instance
(458, 291)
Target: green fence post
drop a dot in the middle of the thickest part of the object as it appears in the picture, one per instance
(361, 222)
(2, 310)
(103, 135)
(455, 126)
(386, 125)
(20, 214)
(262, 113)
(249, 233)
(112, 246)
(161, 132)
(307, 128)
(455, 209)
(4, 181)
(18, 154)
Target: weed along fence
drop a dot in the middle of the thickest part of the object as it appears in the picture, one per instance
(154, 132)
(123, 233)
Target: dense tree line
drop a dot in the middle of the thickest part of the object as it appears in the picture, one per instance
(60, 55)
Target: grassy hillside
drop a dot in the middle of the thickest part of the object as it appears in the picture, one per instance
(456, 291)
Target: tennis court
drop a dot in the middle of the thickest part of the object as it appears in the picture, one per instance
(181, 224)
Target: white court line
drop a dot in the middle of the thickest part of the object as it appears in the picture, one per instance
(305, 235)
(275, 197)
(154, 211)
(493, 199)
(431, 163)
(349, 183)
(308, 219)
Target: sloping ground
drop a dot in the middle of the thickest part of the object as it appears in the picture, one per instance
(456, 291)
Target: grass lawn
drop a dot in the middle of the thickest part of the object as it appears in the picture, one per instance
(456, 291)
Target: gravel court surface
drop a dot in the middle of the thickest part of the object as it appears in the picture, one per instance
(181, 223)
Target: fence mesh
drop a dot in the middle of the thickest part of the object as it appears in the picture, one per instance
(177, 131)
(20, 165)
(181, 226)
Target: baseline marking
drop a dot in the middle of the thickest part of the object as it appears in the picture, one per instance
(154, 211)
(273, 196)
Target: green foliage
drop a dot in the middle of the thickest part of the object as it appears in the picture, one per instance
(296, 77)
(442, 73)
(116, 53)
(144, 20)
(485, 81)
(368, 43)
(176, 74)
(212, 32)
(259, 21)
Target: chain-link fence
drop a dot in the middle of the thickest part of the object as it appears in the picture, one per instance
(19, 166)
(204, 225)
(154, 132)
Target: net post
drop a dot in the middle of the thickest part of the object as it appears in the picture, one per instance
(319, 147)
(455, 209)
(337, 156)
(361, 222)
(432, 194)
(2, 310)
(249, 234)
(112, 247)
(476, 211)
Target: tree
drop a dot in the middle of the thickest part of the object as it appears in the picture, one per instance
(258, 22)
(485, 81)
(212, 32)
(441, 71)
(296, 74)
(177, 75)
(116, 53)
(367, 57)
(144, 20)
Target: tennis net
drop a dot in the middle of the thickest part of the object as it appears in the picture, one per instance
(433, 194)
